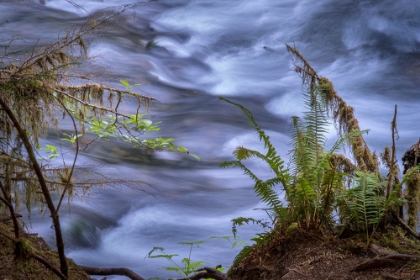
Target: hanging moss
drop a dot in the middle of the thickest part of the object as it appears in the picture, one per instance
(342, 113)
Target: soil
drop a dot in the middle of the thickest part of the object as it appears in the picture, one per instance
(28, 268)
(306, 255)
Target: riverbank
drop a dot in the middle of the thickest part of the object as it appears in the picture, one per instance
(300, 255)
(305, 255)
(29, 268)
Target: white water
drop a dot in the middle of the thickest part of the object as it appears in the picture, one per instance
(370, 50)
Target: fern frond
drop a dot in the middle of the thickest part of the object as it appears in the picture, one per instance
(274, 161)
(324, 161)
(261, 133)
(265, 191)
(363, 207)
(242, 153)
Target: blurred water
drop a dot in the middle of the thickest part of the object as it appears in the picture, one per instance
(203, 49)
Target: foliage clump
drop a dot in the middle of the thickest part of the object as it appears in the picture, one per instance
(321, 189)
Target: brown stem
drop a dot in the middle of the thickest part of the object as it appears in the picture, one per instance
(44, 188)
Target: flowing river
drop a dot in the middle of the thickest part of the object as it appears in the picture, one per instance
(201, 50)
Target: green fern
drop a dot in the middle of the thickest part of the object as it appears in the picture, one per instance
(315, 181)
(264, 189)
(310, 192)
(363, 206)
(240, 221)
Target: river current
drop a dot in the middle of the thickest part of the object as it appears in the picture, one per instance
(201, 50)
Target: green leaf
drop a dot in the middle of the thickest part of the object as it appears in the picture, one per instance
(52, 148)
(195, 156)
(223, 236)
(182, 149)
(166, 256)
(125, 83)
(171, 268)
(197, 243)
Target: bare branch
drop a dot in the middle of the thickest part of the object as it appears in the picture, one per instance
(112, 271)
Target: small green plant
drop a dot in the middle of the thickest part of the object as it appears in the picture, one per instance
(71, 137)
(51, 151)
(187, 267)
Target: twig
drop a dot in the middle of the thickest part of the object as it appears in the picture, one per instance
(68, 179)
(207, 272)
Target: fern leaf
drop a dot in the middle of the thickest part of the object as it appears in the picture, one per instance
(363, 206)
(242, 153)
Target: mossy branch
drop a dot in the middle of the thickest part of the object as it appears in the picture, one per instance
(342, 113)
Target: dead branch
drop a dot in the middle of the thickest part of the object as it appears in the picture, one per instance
(112, 271)
(343, 114)
(207, 272)
(407, 228)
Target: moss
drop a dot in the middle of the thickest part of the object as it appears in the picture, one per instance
(395, 239)
(25, 267)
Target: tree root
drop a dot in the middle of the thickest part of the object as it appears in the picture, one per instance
(383, 261)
